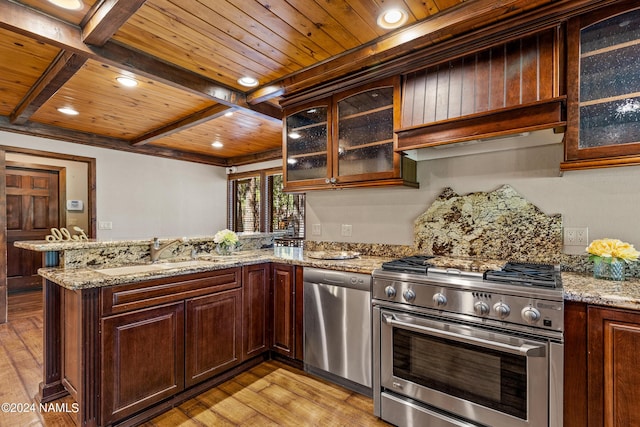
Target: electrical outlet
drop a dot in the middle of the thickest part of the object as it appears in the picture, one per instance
(346, 230)
(316, 229)
(576, 236)
(582, 236)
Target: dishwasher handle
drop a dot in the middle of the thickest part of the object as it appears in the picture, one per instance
(343, 279)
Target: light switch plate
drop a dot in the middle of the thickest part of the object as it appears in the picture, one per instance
(347, 230)
(105, 225)
(316, 229)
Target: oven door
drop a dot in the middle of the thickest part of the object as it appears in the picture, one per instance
(471, 373)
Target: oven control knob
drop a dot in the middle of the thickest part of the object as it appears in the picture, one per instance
(390, 291)
(481, 308)
(439, 300)
(409, 295)
(502, 310)
(530, 315)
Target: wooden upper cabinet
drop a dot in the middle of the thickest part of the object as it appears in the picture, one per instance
(511, 87)
(346, 139)
(603, 127)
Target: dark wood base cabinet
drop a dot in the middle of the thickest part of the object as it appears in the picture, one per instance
(142, 359)
(125, 353)
(602, 359)
(287, 316)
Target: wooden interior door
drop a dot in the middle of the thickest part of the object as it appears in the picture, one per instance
(33, 208)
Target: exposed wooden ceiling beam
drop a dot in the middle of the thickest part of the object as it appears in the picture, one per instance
(63, 67)
(33, 24)
(275, 154)
(94, 140)
(107, 19)
(264, 93)
(195, 119)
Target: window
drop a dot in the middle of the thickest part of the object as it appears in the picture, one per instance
(256, 203)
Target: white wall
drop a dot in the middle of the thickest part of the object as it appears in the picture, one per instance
(607, 201)
(145, 196)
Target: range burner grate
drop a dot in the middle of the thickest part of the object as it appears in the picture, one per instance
(410, 264)
(526, 274)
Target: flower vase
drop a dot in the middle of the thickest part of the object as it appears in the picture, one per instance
(223, 249)
(609, 271)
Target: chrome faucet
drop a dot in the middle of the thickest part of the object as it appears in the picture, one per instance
(156, 248)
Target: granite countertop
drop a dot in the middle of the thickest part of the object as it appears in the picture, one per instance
(577, 287)
(81, 278)
(586, 289)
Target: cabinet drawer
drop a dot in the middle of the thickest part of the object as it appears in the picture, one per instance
(122, 298)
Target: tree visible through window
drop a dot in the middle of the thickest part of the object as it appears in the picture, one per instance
(256, 202)
(248, 204)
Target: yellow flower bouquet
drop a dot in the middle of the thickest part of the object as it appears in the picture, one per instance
(608, 256)
(608, 250)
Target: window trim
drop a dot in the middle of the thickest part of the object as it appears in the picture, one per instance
(266, 198)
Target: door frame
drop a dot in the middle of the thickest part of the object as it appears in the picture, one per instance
(90, 206)
(61, 192)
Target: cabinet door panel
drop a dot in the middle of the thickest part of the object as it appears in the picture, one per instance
(142, 359)
(614, 357)
(306, 146)
(213, 327)
(603, 104)
(283, 310)
(256, 309)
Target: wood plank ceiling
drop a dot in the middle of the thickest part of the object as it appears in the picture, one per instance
(187, 57)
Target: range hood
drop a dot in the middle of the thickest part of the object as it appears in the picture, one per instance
(487, 145)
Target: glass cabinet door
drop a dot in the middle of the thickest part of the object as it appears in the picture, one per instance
(603, 87)
(307, 138)
(610, 81)
(365, 133)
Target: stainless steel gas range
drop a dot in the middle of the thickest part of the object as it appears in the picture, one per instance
(462, 348)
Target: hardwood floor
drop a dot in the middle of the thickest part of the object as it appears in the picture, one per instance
(270, 394)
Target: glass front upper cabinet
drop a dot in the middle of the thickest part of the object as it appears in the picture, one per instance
(307, 139)
(604, 99)
(346, 139)
(365, 133)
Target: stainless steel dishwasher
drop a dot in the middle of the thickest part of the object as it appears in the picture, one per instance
(337, 327)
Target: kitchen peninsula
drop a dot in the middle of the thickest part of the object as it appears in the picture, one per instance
(128, 339)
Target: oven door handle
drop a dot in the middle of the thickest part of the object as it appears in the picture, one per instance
(524, 349)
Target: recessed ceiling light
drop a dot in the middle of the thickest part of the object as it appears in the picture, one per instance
(217, 144)
(68, 4)
(392, 18)
(127, 81)
(228, 114)
(248, 81)
(68, 111)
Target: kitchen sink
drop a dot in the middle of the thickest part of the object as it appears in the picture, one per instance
(184, 264)
(150, 268)
(130, 269)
